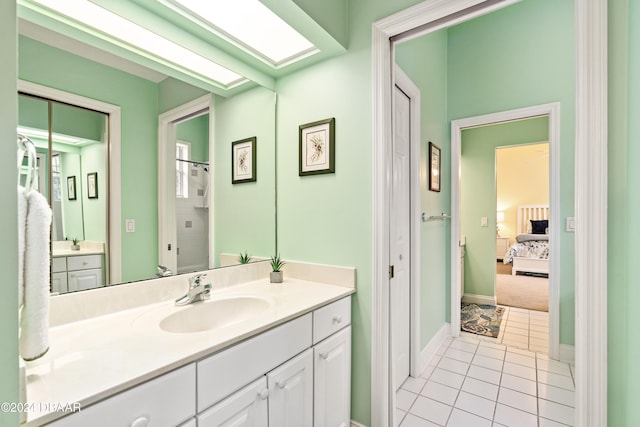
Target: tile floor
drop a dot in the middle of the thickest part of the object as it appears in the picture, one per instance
(480, 381)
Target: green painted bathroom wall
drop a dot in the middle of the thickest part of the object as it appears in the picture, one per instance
(623, 206)
(8, 214)
(245, 210)
(507, 60)
(478, 194)
(94, 211)
(196, 132)
(139, 106)
(424, 60)
(72, 209)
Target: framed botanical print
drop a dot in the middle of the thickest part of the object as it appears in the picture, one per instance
(71, 187)
(317, 147)
(243, 160)
(92, 185)
(434, 167)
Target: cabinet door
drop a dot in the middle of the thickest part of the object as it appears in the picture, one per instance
(291, 392)
(84, 279)
(59, 282)
(245, 408)
(332, 380)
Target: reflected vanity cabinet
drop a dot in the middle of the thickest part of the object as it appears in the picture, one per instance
(77, 273)
(297, 374)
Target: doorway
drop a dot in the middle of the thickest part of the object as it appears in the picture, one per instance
(590, 185)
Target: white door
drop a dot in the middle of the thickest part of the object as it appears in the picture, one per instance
(400, 238)
(291, 392)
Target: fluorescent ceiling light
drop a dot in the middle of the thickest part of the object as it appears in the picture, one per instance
(107, 22)
(253, 25)
(56, 137)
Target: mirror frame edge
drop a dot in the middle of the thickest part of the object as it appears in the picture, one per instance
(114, 201)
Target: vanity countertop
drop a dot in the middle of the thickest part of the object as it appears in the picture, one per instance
(68, 252)
(92, 359)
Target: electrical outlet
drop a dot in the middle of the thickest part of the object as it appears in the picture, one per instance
(571, 224)
(130, 225)
(484, 222)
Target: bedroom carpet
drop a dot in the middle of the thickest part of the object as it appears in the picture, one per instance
(523, 291)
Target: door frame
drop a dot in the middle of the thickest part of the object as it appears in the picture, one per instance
(413, 93)
(167, 181)
(590, 189)
(551, 110)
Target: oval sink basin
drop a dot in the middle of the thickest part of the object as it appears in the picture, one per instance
(203, 316)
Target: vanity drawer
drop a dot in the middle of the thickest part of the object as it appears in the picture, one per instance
(59, 264)
(84, 262)
(168, 400)
(331, 318)
(225, 372)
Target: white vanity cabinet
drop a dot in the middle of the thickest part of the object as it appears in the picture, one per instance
(168, 400)
(332, 364)
(77, 273)
(296, 374)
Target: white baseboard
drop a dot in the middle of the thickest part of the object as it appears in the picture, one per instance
(355, 424)
(478, 299)
(433, 345)
(567, 353)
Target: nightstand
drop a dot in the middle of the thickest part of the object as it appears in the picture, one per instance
(502, 246)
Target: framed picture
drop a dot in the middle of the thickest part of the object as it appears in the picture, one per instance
(71, 187)
(243, 160)
(92, 185)
(317, 147)
(434, 168)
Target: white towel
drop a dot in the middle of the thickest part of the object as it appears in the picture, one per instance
(22, 228)
(34, 322)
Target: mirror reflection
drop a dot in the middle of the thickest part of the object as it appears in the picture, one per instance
(224, 219)
(71, 169)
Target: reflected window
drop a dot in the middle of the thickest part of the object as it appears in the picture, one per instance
(182, 166)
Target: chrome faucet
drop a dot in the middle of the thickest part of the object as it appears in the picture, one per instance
(198, 291)
(163, 271)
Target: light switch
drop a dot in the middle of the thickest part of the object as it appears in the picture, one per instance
(571, 224)
(484, 222)
(130, 225)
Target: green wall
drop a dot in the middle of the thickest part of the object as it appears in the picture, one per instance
(8, 213)
(478, 194)
(624, 202)
(94, 211)
(507, 60)
(424, 61)
(245, 210)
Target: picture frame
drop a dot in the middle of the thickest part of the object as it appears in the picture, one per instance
(243, 160)
(92, 185)
(434, 167)
(71, 187)
(317, 147)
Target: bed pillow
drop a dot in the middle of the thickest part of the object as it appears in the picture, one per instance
(539, 226)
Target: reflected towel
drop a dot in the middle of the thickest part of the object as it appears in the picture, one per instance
(34, 322)
(22, 228)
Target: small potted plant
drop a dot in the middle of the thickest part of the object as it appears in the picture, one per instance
(276, 266)
(244, 258)
(75, 244)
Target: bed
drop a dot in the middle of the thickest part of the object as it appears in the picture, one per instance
(530, 252)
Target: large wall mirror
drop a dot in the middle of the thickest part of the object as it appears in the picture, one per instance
(220, 219)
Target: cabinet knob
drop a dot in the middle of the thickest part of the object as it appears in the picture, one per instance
(337, 318)
(263, 394)
(281, 384)
(140, 422)
(324, 355)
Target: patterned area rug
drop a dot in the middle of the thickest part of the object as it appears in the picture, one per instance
(481, 319)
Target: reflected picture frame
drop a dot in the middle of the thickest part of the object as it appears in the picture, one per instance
(243, 160)
(434, 167)
(92, 185)
(71, 187)
(317, 147)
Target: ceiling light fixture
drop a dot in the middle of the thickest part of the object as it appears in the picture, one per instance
(252, 25)
(106, 22)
